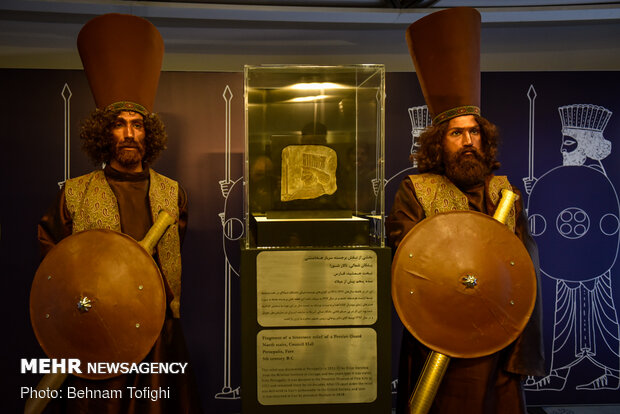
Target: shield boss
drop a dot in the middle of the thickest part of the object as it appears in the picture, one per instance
(97, 296)
(463, 284)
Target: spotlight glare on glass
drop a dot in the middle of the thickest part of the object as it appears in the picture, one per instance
(308, 98)
(316, 85)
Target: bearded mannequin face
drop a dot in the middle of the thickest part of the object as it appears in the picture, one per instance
(128, 134)
(463, 152)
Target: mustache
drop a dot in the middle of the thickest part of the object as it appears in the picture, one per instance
(474, 151)
(128, 144)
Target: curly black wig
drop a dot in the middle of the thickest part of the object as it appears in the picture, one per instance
(98, 143)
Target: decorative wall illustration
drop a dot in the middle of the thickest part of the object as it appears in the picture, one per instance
(420, 120)
(232, 231)
(66, 97)
(583, 224)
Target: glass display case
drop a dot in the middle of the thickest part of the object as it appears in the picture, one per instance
(314, 155)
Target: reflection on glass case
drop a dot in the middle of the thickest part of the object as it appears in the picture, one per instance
(314, 155)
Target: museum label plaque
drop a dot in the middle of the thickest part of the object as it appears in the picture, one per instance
(316, 366)
(316, 287)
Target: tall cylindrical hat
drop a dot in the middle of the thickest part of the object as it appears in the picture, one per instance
(445, 48)
(122, 56)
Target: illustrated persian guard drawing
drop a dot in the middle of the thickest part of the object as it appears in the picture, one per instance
(578, 237)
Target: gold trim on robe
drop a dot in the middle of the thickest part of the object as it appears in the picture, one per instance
(437, 194)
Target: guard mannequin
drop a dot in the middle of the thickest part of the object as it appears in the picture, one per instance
(456, 160)
(122, 58)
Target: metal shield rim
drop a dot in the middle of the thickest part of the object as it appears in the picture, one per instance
(404, 300)
(151, 286)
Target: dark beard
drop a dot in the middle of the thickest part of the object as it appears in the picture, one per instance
(128, 158)
(466, 170)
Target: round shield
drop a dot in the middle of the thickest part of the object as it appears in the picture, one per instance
(463, 284)
(575, 210)
(97, 296)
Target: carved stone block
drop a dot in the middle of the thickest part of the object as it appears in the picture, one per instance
(308, 171)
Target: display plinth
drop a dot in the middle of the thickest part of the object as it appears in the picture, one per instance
(315, 329)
